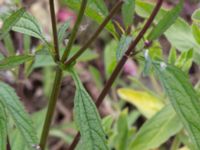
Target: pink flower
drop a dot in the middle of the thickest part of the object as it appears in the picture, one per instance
(66, 14)
(130, 68)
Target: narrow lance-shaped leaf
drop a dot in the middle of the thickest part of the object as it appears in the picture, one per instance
(3, 129)
(14, 61)
(88, 119)
(10, 21)
(124, 43)
(157, 130)
(62, 31)
(128, 10)
(183, 98)
(21, 119)
(166, 21)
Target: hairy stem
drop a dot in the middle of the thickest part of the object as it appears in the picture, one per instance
(121, 64)
(51, 107)
(54, 28)
(74, 31)
(58, 79)
(96, 34)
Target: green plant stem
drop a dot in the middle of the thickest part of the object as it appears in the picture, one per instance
(74, 31)
(54, 28)
(96, 34)
(176, 143)
(121, 63)
(51, 107)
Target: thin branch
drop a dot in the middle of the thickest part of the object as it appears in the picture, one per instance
(121, 64)
(54, 28)
(74, 31)
(96, 34)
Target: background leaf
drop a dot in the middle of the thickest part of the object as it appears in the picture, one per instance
(157, 130)
(146, 103)
(167, 20)
(14, 61)
(128, 10)
(123, 45)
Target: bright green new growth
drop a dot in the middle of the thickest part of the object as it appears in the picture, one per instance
(183, 98)
(10, 101)
(87, 119)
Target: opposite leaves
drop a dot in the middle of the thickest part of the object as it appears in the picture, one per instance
(88, 119)
(183, 98)
(11, 102)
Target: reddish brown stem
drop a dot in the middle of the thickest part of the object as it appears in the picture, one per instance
(121, 63)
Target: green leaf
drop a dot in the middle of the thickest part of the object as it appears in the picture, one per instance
(11, 102)
(167, 20)
(62, 31)
(110, 59)
(8, 43)
(93, 14)
(196, 15)
(122, 130)
(172, 56)
(3, 128)
(157, 130)
(11, 21)
(128, 10)
(183, 98)
(13, 61)
(29, 25)
(124, 43)
(87, 119)
(196, 32)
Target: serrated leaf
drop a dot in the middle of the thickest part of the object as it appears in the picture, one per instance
(146, 103)
(10, 21)
(183, 98)
(168, 19)
(88, 119)
(157, 130)
(3, 128)
(62, 31)
(11, 102)
(128, 9)
(13, 61)
(29, 25)
(123, 45)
